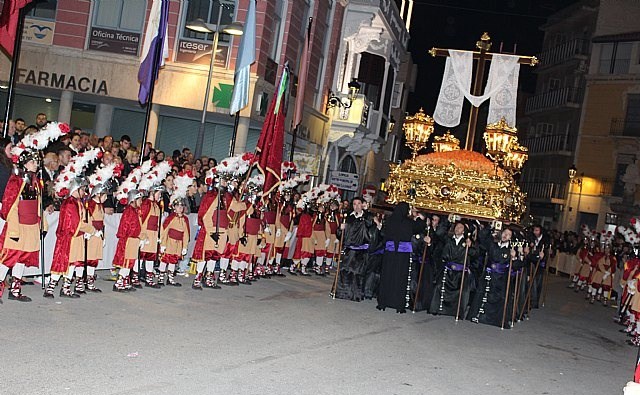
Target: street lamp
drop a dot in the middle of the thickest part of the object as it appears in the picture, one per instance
(573, 180)
(334, 101)
(200, 26)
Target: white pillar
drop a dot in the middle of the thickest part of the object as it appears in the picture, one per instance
(104, 114)
(66, 104)
(153, 124)
(243, 133)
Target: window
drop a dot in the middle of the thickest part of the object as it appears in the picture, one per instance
(276, 31)
(207, 10)
(632, 118)
(370, 76)
(396, 101)
(554, 84)
(615, 58)
(43, 10)
(123, 15)
(544, 129)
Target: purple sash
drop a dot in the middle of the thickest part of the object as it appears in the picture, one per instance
(498, 268)
(403, 246)
(456, 267)
(360, 247)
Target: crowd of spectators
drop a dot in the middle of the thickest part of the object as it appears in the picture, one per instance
(122, 151)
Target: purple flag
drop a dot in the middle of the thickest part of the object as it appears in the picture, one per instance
(155, 42)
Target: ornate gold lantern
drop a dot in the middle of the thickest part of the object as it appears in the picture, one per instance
(516, 157)
(417, 130)
(445, 143)
(499, 138)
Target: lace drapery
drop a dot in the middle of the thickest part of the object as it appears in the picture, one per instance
(502, 88)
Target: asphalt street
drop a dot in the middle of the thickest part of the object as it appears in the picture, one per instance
(287, 336)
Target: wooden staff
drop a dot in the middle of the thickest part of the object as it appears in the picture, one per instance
(424, 257)
(528, 296)
(516, 297)
(545, 279)
(86, 243)
(157, 260)
(334, 288)
(464, 269)
(275, 226)
(506, 296)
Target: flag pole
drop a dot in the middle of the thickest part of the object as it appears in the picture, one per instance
(236, 121)
(11, 93)
(154, 76)
(303, 68)
(147, 116)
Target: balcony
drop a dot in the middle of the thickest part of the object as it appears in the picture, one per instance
(560, 98)
(622, 128)
(568, 50)
(554, 144)
(546, 191)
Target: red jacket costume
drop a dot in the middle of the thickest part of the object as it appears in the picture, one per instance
(20, 237)
(205, 248)
(149, 216)
(69, 235)
(304, 241)
(129, 235)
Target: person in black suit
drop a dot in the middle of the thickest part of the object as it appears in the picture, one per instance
(539, 244)
(6, 165)
(49, 174)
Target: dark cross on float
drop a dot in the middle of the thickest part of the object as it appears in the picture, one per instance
(483, 56)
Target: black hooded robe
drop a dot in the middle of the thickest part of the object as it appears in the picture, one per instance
(396, 260)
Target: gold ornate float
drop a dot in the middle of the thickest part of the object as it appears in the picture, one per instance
(451, 180)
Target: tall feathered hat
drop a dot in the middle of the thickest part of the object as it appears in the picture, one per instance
(181, 184)
(235, 167)
(132, 181)
(28, 147)
(331, 194)
(101, 179)
(291, 183)
(153, 179)
(68, 180)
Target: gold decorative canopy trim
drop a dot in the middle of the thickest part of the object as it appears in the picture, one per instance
(462, 182)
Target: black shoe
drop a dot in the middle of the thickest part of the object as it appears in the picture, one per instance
(48, 295)
(116, 289)
(70, 296)
(95, 290)
(152, 285)
(19, 298)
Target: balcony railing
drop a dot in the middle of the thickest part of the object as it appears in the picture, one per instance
(565, 51)
(620, 127)
(544, 190)
(554, 99)
(549, 144)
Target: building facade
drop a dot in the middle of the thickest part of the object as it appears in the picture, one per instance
(604, 191)
(80, 59)
(552, 115)
(364, 137)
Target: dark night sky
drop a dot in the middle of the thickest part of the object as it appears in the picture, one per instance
(458, 24)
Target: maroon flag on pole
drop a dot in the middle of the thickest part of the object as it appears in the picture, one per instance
(271, 140)
(9, 24)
